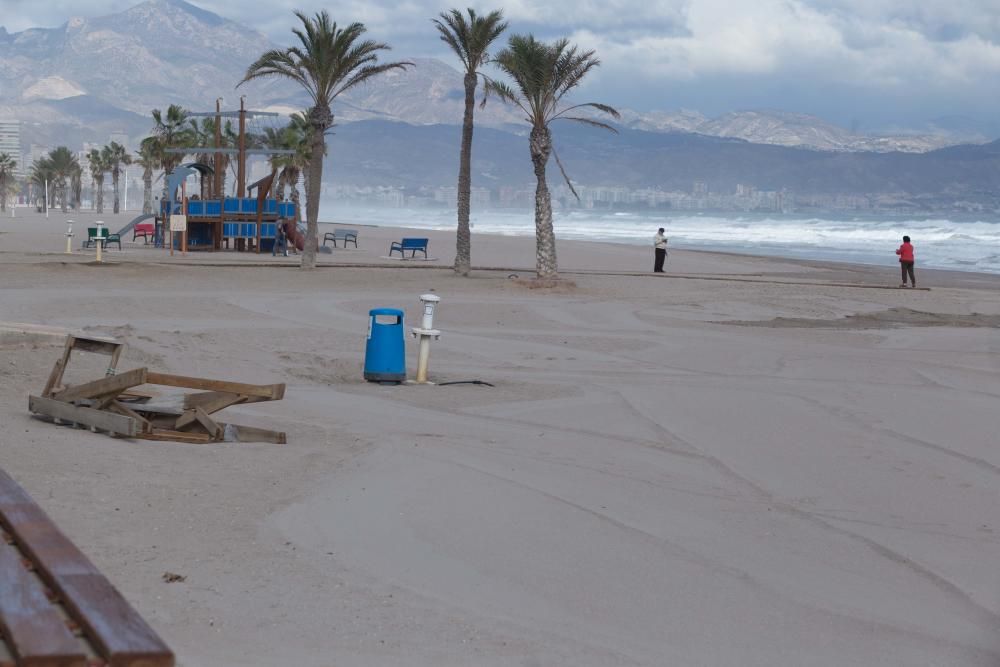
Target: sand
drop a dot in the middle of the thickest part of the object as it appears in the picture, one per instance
(747, 461)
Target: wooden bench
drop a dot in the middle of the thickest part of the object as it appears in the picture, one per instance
(345, 235)
(413, 245)
(56, 608)
(146, 230)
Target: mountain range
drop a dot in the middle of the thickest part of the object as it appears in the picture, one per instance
(93, 76)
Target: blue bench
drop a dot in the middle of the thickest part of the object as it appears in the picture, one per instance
(345, 235)
(413, 245)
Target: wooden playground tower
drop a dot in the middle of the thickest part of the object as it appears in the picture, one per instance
(245, 220)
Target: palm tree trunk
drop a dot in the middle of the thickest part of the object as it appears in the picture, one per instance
(100, 194)
(114, 187)
(147, 191)
(305, 186)
(463, 236)
(320, 120)
(62, 193)
(545, 238)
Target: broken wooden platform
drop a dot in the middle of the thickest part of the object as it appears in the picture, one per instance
(116, 405)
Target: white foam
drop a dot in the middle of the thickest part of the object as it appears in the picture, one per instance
(941, 243)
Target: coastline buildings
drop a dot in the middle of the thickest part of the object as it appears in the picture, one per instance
(10, 143)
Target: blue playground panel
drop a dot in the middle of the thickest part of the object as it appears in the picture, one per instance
(248, 230)
(245, 205)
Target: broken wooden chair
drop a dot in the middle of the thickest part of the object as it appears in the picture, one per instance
(115, 403)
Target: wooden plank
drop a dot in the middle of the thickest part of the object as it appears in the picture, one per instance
(254, 434)
(274, 392)
(213, 401)
(34, 632)
(176, 436)
(97, 345)
(208, 423)
(123, 409)
(120, 635)
(114, 384)
(99, 419)
(55, 377)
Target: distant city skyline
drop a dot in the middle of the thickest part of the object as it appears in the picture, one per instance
(864, 64)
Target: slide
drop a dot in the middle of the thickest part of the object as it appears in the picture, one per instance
(130, 226)
(294, 235)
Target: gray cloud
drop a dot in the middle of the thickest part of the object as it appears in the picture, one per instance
(894, 58)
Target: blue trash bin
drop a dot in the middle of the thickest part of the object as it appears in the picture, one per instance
(385, 352)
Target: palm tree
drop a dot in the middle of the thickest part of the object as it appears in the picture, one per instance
(8, 166)
(98, 167)
(62, 163)
(41, 175)
(543, 74)
(171, 131)
(76, 185)
(328, 62)
(470, 40)
(115, 156)
(149, 159)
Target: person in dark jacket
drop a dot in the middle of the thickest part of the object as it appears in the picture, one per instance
(905, 253)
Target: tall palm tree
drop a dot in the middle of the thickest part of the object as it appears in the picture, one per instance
(62, 163)
(148, 158)
(8, 166)
(171, 130)
(76, 185)
(470, 40)
(543, 74)
(98, 167)
(115, 157)
(327, 62)
(41, 177)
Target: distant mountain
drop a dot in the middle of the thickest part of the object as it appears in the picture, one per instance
(117, 68)
(391, 153)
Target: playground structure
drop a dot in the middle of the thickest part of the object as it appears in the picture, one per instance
(245, 222)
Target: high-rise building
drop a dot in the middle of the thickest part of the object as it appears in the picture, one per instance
(10, 142)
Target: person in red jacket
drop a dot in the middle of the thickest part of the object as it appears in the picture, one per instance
(905, 253)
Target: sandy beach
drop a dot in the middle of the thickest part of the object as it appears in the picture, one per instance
(746, 461)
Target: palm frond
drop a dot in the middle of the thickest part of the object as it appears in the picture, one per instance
(562, 170)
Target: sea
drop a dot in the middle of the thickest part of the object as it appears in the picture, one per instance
(971, 244)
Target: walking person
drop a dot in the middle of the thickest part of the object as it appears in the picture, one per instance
(905, 253)
(280, 240)
(660, 250)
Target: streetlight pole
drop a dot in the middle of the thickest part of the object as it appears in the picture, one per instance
(46, 197)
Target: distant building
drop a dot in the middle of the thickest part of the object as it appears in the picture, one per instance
(10, 142)
(700, 189)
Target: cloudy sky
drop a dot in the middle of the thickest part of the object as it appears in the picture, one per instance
(868, 64)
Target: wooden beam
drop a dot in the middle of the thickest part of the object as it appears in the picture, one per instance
(96, 419)
(123, 409)
(254, 434)
(273, 392)
(176, 436)
(114, 384)
(213, 401)
(31, 626)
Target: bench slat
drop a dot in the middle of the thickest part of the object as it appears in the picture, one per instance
(113, 626)
(31, 627)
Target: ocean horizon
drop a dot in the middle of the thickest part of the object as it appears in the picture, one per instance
(941, 243)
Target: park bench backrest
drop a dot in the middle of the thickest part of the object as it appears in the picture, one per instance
(344, 233)
(409, 244)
